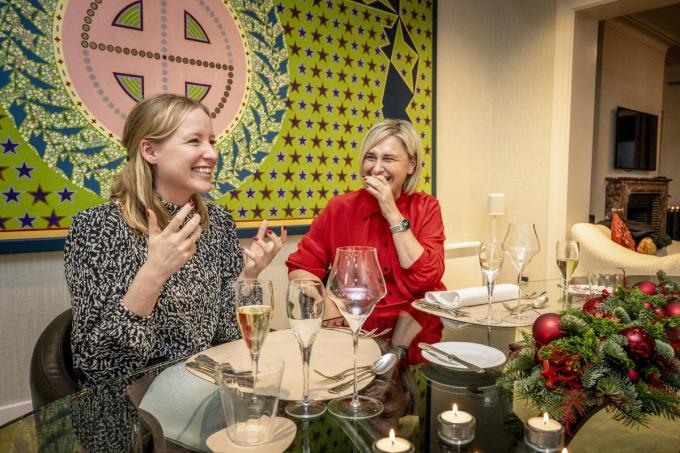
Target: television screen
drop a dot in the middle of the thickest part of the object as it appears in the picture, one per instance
(635, 140)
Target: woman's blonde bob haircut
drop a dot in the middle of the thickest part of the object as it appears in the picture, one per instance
(407, 134)
(155, 119)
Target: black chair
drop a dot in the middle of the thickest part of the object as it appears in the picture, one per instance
(52, 375)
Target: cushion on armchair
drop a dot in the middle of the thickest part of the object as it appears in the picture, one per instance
(620, 233)
(640, 230)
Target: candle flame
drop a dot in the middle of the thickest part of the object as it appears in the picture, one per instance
(392, 436)
(455, 410)
(545, 418)
(564, 450)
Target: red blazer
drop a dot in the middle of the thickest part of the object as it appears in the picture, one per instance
(354, 218)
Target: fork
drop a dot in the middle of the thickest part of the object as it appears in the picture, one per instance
(514, 310)
(439, 308)
(341, 375)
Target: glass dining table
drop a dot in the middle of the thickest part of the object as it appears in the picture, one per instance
(165, 408)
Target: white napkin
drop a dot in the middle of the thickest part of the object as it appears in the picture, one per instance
(467, 297)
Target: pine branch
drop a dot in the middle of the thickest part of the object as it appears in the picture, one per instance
(664, 349)
(573, 325)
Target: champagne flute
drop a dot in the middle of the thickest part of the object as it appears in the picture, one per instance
(355, 285)
(254, 310)
(521, 245)
(567, 255)
(305, 307)
(490, 261)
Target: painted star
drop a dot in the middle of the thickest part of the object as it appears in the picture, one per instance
(288, 211)
(273, 212)
(257, 212)
(9, 146)
(243, 212)
(250, 193)
(11, 195)
(26, 220)
(39, 195)
(2, 222)
(24, 170)
(281, 193)
(302, 210)
(53, 219)
(66, 194)
(273, 174)
(233, 195)
(288, 175)
(266, 193)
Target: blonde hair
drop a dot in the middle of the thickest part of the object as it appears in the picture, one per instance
(155, 119)
(408, 136)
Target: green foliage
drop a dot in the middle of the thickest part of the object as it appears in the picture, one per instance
(590, 367)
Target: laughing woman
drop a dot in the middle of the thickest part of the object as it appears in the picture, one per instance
(151, 272)
(404, 225)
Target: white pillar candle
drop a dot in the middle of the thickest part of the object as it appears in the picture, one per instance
(495, 204)
(392, 444)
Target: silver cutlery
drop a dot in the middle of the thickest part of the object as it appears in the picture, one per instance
(384, 362)
(373, 333)
(451, 357)
(441, 309)
(381, 366)
(515, 309)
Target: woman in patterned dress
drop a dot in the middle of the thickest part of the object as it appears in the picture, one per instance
(151, 272)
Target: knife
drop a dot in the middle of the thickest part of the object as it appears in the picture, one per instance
(451, 357)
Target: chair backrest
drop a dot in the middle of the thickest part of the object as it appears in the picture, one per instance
(52, 374)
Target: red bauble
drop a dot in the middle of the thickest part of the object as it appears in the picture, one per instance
(673, 336)
(546, 328)
(633, 375)
(647, 287)
(641, 345)
(673, 308)
(648, 305)
(592, 305)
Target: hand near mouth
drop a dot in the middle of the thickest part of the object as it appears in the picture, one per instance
(379, 187)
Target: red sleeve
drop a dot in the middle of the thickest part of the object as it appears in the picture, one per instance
(426, 272)
(314, 252)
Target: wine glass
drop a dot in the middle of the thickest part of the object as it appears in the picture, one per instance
(490, 261)
(254, 310)
(305, 307)
(355, 285)
(567, 255)
(521, 245)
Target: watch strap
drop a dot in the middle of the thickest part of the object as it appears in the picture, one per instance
(401, 226)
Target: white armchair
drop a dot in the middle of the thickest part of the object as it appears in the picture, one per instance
(599, 252)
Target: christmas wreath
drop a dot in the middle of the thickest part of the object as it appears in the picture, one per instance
(620, 351)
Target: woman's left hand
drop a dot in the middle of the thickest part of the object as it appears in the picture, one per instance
(381, 190)
(261, 252)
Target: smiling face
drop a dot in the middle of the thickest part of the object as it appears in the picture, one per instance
(183, 163)
(389, 159)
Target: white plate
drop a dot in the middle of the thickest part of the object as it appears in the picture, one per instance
(331, 353)
(284, 435)
(478, 354)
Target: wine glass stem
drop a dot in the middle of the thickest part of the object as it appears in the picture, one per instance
(306, 354)
(564, 292)
(489, 291)
(519, 289)
(355, 395)
(254, 364)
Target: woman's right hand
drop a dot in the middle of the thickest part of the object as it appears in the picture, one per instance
(175, 245)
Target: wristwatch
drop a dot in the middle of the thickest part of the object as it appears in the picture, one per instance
(401, 226)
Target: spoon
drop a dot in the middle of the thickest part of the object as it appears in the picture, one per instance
(540, 300)
(381, 366)
(378, 364)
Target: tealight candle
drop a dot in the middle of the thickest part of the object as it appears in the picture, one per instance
(456, 427)
(544, 434)
(392, 444)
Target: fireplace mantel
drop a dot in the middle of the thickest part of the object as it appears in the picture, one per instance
(619, 191)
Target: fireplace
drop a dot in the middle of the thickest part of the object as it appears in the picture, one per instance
(641, 199)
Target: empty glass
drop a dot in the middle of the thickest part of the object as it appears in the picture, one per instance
(355, 285)
(250, 405)
(490, 261)
(521, 245)
(305, 307)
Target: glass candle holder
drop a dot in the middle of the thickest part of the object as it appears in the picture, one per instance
(544, 434)
(456, 427)
(392, 444)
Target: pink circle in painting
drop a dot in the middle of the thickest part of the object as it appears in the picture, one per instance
(119, 52)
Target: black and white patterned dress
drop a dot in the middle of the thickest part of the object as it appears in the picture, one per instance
(194, 309)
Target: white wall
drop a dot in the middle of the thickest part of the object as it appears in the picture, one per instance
(631, 72)
(669, 164)
(494, 107)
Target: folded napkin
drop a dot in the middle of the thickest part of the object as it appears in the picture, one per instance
(466, 297)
